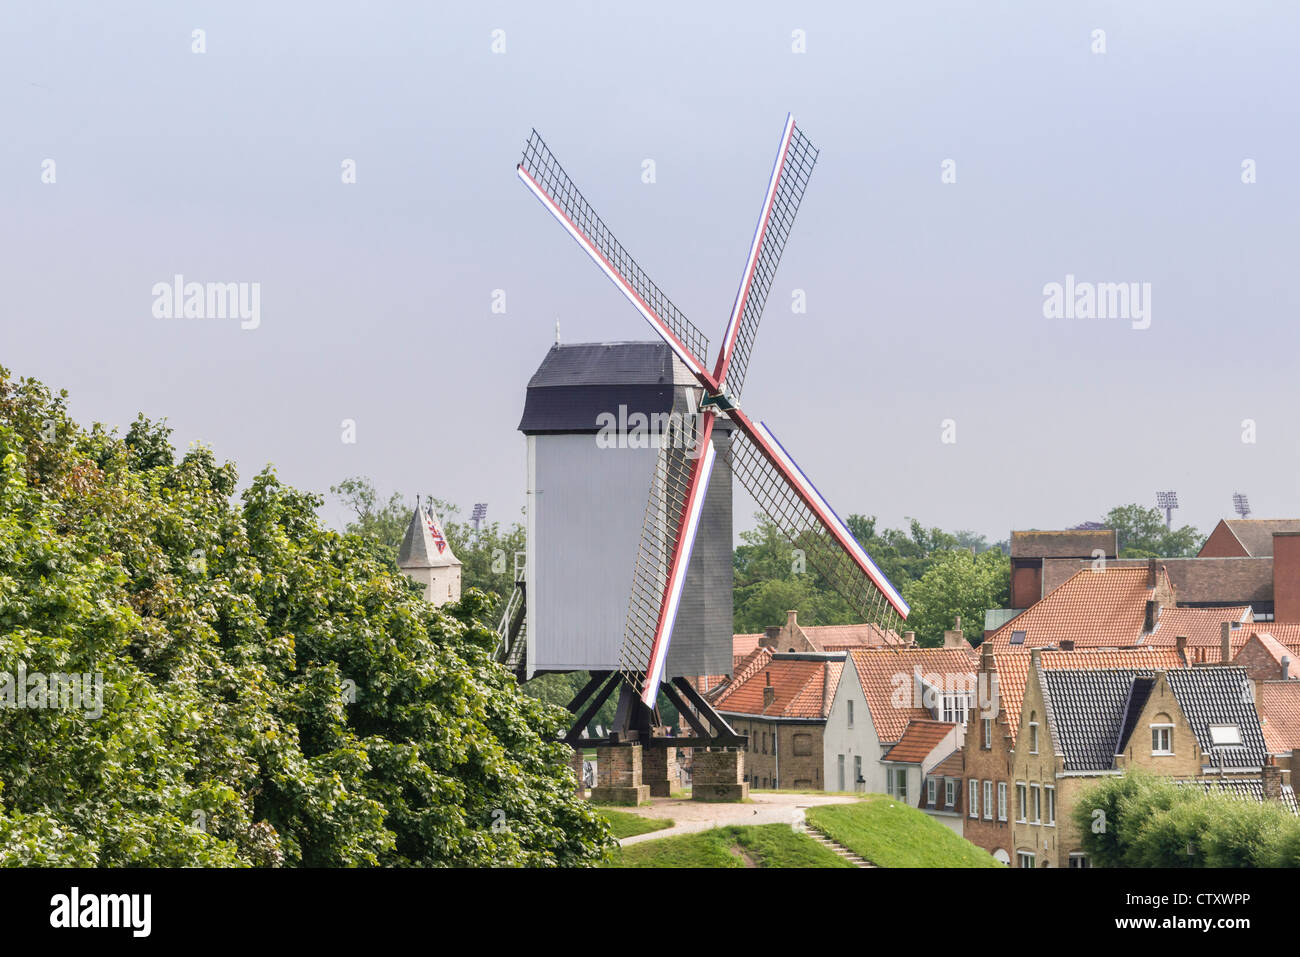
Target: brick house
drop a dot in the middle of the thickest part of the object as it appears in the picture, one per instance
(1029, 550)
(781, 700)
(1195, 724)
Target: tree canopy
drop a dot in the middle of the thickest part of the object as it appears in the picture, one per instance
(273, 692)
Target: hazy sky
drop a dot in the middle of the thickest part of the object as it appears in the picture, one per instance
(925, 299)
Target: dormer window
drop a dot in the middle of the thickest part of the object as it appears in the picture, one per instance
(1225, 734)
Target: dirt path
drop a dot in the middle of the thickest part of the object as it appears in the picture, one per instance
(691, 816)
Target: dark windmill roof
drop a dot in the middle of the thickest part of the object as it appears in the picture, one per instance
(1088, 710)
(1220, 696)
(576, 383)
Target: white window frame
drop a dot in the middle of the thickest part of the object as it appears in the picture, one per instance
(931, 791)
(1002, 800)
(974, 809)
(950, 792)
(1051, 804)
(1167, 732)
(1033, 737)
(850, 707)
(1036, 802)
(988, 800)
(1081, 859)
(1235, 729)
(988, 733)
(1026, 859)
(1022, 802)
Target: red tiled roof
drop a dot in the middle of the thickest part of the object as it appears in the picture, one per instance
(882, 672)
(744, 645)
(1013, 670)
(1279, 715)
(920, 737)
(803, 687)
(1201, 626)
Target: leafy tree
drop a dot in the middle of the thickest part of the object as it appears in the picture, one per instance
(1142, 534)
(957, 584)
(272, 692)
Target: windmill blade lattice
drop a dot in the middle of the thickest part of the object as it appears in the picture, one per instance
(797, 521)
(795, 166)
(542, 173)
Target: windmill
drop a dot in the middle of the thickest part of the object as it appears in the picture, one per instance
(686, 459)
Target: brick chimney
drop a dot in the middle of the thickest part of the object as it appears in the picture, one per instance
(1180, 644)
(1286, 667)
(1272, 776)
(1286, 576)
(1225, 642)
(909, 637)
(826, 689)
(769, 693)
(1152, 616)
(954, 638)
(1152, 576)
(771, 635)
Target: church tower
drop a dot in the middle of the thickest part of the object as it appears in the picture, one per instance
(426, 557)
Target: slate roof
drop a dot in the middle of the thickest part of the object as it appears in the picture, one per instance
(1279, 713)
(1087, 713)
(1073, 543)
(1256, 534)
(577, 382)
(1221, 695)
(418, 549)
(1248, 789)
(919, 739)
(1013, 670)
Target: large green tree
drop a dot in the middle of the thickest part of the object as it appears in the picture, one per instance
(958, 584)
(273, 692)
(1142, 534)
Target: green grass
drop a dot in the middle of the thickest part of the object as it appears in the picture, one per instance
(761, 845)
(890, 834)
(626, 824)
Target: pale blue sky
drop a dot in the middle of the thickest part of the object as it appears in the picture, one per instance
(924, 299)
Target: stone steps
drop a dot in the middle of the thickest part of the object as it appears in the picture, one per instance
(827, 842)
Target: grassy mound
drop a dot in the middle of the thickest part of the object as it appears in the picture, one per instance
(890, 834)
(755, 845)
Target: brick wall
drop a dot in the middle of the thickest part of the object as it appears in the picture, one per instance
(796, 747)
(991, 764)
(1286, 577)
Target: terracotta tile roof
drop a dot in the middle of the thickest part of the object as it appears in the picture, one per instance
(844, 637)
(1288, 633)
(1196, 580)
(1200, 625)
(1013, 670)
(803, 686)
(953, 766)
(744, 645)
(882, 672)
(1279, 713)
(1107, 609)
(920, 737)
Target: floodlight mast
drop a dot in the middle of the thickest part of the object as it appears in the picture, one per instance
(766, 469)
(1168, 501)
(1240, 504)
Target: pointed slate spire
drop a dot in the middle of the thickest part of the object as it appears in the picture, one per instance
(425, 545)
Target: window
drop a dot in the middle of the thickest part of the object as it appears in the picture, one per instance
(949, 792)
(1022, 802)
(930, 790)
(1002, 800)
(1162, 739)
(988, 800)
(1078, 860)
(857, 773)
(1051, 804)
(765, 742)
(974, 798)
(1225, 734)
(896, 783)
(1033, 737)
(850, 704)
(1036, 803)
(1024, 859)
(839, 766)
(988, 733)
